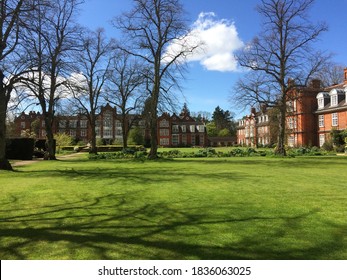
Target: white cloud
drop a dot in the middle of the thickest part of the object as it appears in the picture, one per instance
(220, 40)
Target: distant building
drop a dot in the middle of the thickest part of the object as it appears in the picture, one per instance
(301, 121)
(181, 131)
(331, 112)
(173, 131)
(255, 129)
(313, 113)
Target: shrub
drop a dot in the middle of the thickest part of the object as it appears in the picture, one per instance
(328, 146)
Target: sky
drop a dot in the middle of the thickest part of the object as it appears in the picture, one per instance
(226, 26)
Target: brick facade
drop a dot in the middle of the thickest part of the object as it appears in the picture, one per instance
(173, 131)
(313, 113)
(181, 131)
(255, 129)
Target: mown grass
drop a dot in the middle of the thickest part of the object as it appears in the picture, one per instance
(212, 208)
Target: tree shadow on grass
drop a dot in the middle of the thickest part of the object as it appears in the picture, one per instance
(117, 226)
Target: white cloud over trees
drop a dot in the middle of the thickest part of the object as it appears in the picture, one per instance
(219, 40)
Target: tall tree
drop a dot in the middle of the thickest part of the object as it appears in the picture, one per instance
(151, 28)
(223, 121)
(13, 14)
(281, 56)
(50, 42)
(93, 66)
(125, 84)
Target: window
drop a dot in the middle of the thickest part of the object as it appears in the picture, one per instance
(43, 123)
(83, 132)
(192, 129)
(201, 128)
(83, 123)
(334, 100)
(107, 133)
(62, 123)
(164, 141)
(184, 128)
(175, 128)
(291, 123)
(164, 132)
(97, 131)
(193, 140)
(108, 122)
(73, 123)
(164, 123)
(22, 125)
(291, 141)
(321, 120)
(321, 140)
(184, 139)
(320, 103)
(202, 140)
(335, 120)
(72, 132)
(175, 139)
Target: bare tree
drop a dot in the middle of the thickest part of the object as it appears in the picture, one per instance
(280, 57)
(151, 28)
(50, 40)
(125, 84)
(13, 14)
(331, 74)
(87, 85)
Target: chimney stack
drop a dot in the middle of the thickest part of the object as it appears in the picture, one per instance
(315, 83)
(345, 76)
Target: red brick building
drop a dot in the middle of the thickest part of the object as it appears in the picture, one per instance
(313, 113)
(108, 125)
(173, 131)
(255, 129)
(301, 120)
(181, 131)
(331, 110)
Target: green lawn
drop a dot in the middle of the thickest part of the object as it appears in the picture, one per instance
(213, 208)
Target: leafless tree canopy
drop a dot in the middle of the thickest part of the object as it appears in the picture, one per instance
(150, 28)
(283, 51)
(125, 89)
(13, 15)
(50, 40)
(92, 69)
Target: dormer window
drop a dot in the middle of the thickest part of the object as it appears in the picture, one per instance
(322, 99)
(333, 100)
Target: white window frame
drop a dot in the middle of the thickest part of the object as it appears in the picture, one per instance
(321, 120)
(334, 119)
(175, 128)
(164, 141)
(175, 139)
(164, 123)
(321, 140)
(83, 123)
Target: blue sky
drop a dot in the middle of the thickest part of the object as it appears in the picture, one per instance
(208, 83)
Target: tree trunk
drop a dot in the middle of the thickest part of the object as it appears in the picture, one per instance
(280, 149)
(4, 163)
(93, 147)
(125, 130)
(154, 141)
(50, 141)
(153, 153)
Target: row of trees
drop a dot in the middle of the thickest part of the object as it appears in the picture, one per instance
(45, 56)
